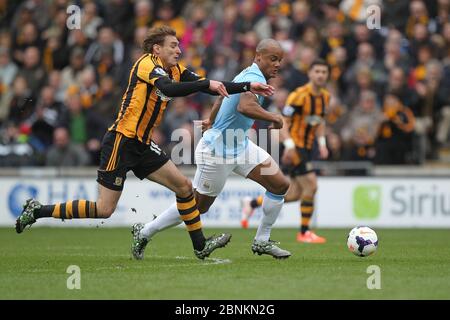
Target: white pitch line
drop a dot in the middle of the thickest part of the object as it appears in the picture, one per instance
(190, 262)
(207, 261)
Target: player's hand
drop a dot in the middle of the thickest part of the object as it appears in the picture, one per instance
(323, 152)
(206, 124)
(277, 123)
(218, 87)
(262, 89)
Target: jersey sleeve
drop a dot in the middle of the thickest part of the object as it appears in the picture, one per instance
(290, 106)
(149, 70)
(188, 75)
(252, 77)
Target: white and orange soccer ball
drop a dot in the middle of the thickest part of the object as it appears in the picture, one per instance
(362, 241)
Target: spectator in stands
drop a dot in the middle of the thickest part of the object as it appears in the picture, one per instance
(54, 81)
(311, 39)
(88, 88)
(361, 129)
(74, 118)
(337, 115)
(199, 19)
(65, 154)
(269, 24)
(9, 8)
(70, 75)
(366, 59)
(363, 82)
(90, 21)
(32, 70)
(22, 103)
(245, 21)
(8, 71)
(165, 15)
(443, 13)
(393, 13)
(394, 142)
(38, 11)
(107, 39)
(434, 98)
(26, 36)
(108, 101)
(57, 27)
(337, 69)
(227, 37)
(420, 39)
(301, 19)
(78, 39)
(418, 72)
(361, 34)
(106, 65)
(397, 85)
(335, 37)
(143, 13)
(55, 54)
(101, 116)
(418, 14)
(120, 15)
(45, 119)
(394, 56)
(295, 66)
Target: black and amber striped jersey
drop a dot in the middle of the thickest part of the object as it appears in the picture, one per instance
(307, 111)
(143, 104)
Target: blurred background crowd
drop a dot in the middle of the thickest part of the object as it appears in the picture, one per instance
(60, 89)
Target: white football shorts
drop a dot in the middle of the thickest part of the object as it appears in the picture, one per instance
(213, 171)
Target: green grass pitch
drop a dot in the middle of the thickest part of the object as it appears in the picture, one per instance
(414, 264)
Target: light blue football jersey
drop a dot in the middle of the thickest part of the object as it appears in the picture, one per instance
(228, 135)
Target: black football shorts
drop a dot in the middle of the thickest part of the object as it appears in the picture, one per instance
(120, 154)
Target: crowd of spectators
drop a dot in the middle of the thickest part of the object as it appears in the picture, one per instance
(61, 88)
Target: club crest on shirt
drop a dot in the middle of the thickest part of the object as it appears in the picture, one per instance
(118, 182)
(206, 185)
(160, 71)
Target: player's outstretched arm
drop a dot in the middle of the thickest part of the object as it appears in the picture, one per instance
(249, 106)
(224, 88)
(181, 89)
(240, 87)
(256, 87)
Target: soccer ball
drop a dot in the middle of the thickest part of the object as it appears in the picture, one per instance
(362, 241)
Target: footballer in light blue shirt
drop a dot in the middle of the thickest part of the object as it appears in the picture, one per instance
(228, 135)
(227, 140)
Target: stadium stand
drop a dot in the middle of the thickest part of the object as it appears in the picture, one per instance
(390, 85)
